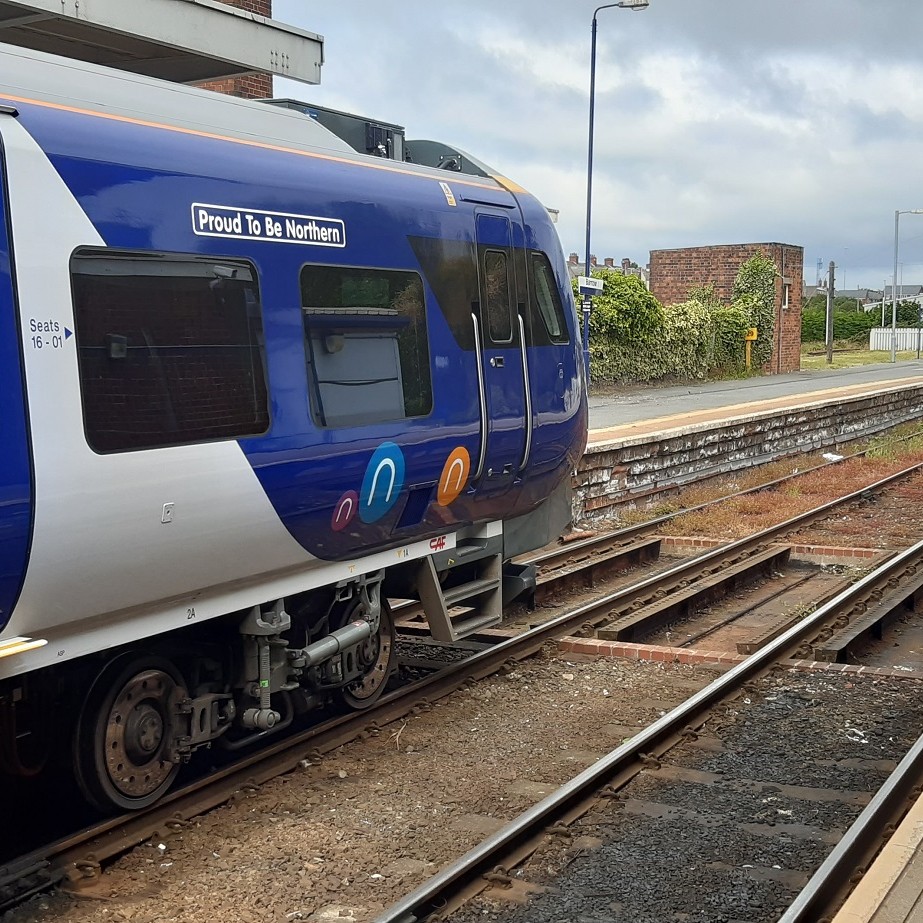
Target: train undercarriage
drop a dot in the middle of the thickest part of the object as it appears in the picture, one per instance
(132, 717)
(128, 719)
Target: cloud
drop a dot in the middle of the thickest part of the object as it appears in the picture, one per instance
(716, 121)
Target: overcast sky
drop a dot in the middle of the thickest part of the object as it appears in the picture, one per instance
(717, 121)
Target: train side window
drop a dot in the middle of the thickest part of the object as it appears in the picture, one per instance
(367, 345)
(497, 293)
(450, 268)
(169, 348)
(546, 300)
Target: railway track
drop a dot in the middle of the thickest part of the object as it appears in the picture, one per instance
(581, 563)
(488, 865)
(77, 858)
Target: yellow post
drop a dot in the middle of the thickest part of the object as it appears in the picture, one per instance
(750, 336)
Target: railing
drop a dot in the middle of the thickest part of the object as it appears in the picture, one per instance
(906, 338)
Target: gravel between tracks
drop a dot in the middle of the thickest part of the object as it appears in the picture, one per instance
(344, 838)
(736, 844)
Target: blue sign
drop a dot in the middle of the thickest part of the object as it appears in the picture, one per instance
(381, 486)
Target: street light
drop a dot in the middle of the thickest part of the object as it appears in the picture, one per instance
(897, 218)
(625, 5)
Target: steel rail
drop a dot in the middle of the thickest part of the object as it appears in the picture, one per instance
(549, 558)
(741, 547)
(112, 836)
(578, 552)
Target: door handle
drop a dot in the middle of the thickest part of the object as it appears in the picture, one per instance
(496, 362)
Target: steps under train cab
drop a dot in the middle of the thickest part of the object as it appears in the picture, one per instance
(469, 596)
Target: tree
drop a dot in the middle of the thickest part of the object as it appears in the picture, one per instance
(818, 302)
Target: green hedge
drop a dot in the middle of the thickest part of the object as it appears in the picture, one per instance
(635, 338)
(851, 324)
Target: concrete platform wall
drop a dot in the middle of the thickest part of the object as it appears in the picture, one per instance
(640, 468)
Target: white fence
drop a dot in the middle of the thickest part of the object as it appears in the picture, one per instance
(906, 338)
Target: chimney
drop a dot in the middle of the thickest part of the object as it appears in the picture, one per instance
(592, 259)
(609, 262)
(573, 258)
(626, 264)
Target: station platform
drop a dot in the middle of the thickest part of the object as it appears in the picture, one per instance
(733, 410)
(619, 406)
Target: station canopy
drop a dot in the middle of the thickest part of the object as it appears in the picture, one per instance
(185, 41)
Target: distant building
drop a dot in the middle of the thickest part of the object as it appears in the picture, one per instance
(675, 272)
(870, 299)
(576, 267)
(862, 295)
(912, 293)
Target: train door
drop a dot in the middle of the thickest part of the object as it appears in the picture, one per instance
(15, 466)
(500, 354)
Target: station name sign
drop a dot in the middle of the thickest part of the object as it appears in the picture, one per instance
(588, 286)
(253, 224)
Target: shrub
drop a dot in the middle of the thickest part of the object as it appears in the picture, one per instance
(850, 325)
(813, 326)
(853, 326)
(625, 312)
(688, 339)
(731, 323)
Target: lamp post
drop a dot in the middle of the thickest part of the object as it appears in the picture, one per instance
(587, 303)
(897, 218)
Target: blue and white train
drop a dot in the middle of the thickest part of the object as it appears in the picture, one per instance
(252, 385)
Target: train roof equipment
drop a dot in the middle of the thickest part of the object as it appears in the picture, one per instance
(387, 139)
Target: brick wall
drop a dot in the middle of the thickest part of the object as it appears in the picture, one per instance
(675, 272)
(248, 86)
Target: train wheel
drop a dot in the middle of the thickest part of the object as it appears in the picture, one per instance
(378, 657)
(124, 732)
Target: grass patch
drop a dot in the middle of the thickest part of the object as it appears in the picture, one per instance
(903, 442)
(846, 356)
(740, 516)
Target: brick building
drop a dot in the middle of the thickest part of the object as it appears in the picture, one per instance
(674, 272)
(247, 86)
